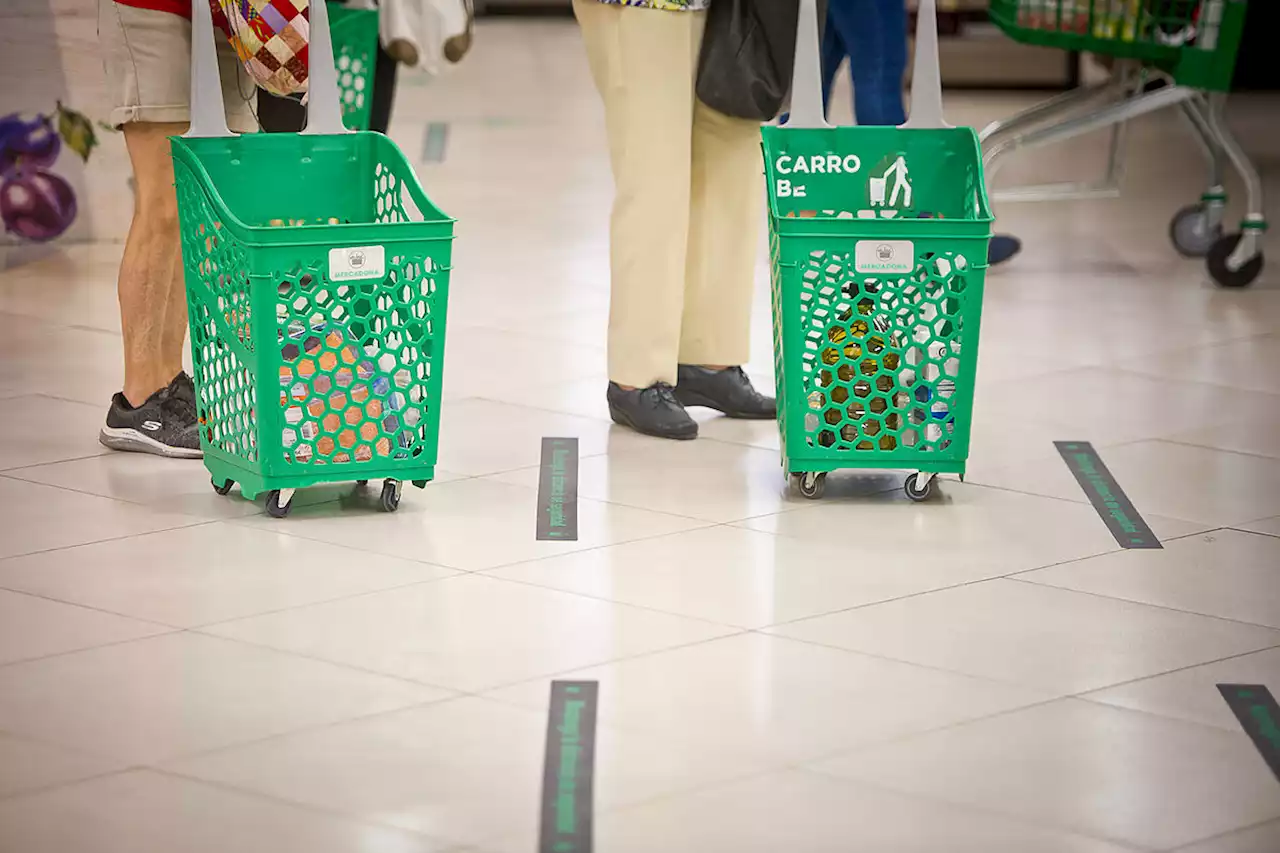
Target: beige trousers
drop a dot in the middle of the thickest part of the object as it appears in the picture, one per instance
(689, 198)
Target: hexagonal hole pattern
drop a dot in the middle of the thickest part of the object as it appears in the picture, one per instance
(883, 355)
(356, 362)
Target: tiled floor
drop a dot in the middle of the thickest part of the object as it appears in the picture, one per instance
(986, 673)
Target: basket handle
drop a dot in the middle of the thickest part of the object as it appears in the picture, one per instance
(807, 110)
(208, 110)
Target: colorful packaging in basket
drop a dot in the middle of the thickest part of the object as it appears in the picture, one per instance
(337, 406)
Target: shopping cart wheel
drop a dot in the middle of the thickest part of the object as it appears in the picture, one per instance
(223, 489)
(809, 484)
(362, 483)
(279, 503)
(916, 491)
(1222, 272)
(390, 495)
(1191, 232)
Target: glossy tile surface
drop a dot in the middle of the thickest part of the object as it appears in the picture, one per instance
(984, 673)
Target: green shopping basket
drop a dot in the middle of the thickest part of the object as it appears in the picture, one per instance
(878, 239)
(1194, 41)
(355, 51)
(317, 275)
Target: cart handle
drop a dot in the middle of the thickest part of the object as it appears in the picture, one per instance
(208, 110)
(807, 110)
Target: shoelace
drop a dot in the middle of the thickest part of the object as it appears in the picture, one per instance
(660, 394)
(178, 399)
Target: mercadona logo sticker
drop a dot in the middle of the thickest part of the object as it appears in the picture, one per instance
(357, 262)
(885, 256)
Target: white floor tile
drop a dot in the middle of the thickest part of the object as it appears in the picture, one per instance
(32, 627)
(1199, 484)
(38, 518)
(470, 633)
(210, 573)
(28, 766)
(164, 697)
(1033, 635)
(471, 525)
(967, 532)
(786, 810)
(1105, 772)
(1259, 839)
(741, 577)
(39, 429)
(466, 770)
(1192, 694)
(780, 701)
(147, 812)
(1225, 573)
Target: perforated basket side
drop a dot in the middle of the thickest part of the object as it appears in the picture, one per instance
(355, 53)
(219, 301)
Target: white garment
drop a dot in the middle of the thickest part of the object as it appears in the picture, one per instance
(423, 26)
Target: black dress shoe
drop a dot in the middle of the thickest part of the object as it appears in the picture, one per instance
(652, 411)
(1002, 248)
(728, 391)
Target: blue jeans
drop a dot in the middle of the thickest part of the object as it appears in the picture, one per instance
(873, 35)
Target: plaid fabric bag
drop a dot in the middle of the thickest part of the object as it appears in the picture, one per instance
(270, 37)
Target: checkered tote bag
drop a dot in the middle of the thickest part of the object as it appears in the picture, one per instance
(270, 37)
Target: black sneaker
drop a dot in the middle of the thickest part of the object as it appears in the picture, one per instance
(728, 391)
(164, 425)
(651, 411)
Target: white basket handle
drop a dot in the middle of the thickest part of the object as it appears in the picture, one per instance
(208, 110)
(806, 80)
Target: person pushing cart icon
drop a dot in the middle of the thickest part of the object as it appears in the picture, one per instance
(901, 186)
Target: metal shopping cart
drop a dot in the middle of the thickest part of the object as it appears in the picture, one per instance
(1162, 54)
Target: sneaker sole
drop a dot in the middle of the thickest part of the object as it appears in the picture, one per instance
(131, 441)
(621, 419)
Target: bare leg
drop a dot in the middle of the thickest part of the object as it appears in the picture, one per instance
(152, 307)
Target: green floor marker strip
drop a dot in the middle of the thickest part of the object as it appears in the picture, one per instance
(558, 491)
(1259, 715)
(568, 771)
(1106, 495)
(435, 142)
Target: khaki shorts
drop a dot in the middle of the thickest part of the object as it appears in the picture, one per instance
(147, 57)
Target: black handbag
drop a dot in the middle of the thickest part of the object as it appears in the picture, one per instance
(748, 49)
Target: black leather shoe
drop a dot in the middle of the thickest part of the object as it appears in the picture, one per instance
(728, 391)
(651, 411)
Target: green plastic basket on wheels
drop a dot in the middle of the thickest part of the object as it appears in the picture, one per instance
(355, 53)
(878, 238)
(317, 275)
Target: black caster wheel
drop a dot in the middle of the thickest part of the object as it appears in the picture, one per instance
(1191, 233)
(390, 499)
(1224, 275)
(809, 484)
(362, 483)
(225, 488)
(421, 484)
(917, 492)
(274, 508)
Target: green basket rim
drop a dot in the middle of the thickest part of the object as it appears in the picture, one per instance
(770, 134)
(301, 235)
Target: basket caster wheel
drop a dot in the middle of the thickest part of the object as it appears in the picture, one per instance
(1191, 232)
(362, 483)
(390, 499)
(918, 492)
(1217, 259)
(225, 488)
(810, 485)
(279, 503)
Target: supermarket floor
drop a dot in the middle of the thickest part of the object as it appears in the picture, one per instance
(179, 672)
